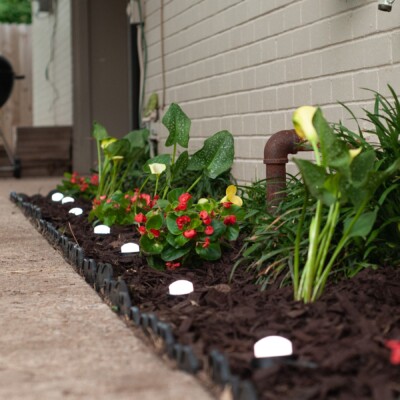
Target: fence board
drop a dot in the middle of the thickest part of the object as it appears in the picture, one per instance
(16, 46)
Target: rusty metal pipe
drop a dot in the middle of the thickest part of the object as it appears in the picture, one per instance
(276, 151)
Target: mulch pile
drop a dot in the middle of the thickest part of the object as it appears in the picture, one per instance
(339, 341)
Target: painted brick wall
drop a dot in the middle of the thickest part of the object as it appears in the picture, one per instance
(245, 65)
(52, 67)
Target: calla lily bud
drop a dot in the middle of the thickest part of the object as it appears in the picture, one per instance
(117, 158)
(302, 121)
(354, 153)
(106, 142)
(157, 169)
(203, 200)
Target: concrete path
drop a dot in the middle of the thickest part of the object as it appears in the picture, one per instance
(58, 340)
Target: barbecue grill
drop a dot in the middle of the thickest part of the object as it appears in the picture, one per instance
(7, 77)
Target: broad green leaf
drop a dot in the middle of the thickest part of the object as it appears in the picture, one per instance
(119, 148)
(171, 254)
(211, 253)
(174, 194)
(335, 153)
(150, 246)
(216, 156)
(232, 232)
(360, 166)
(154, 222)
(178, 125)
(99, 132)
(362, 227)
(219, 229)
(137, 139)
(171, 225)
(155, 263)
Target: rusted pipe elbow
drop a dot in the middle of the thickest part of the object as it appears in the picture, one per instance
(276, 151)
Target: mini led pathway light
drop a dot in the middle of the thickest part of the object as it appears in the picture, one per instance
(180, 287)
(57, 196)
(102, 230)
(67, 199)
(130, 248)
(76, 211)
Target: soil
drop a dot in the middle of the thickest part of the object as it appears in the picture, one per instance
(338, 341)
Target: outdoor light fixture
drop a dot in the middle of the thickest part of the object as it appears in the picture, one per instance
(67, 199)
(385, 5)
(273, 346)
(76, 211)
(102, 229)
(130, 248)
(180, 287)
(57, 196)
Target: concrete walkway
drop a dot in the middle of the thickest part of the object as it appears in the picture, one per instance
(58, 340)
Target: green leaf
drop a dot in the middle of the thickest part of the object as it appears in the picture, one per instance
(178, 125)
(150, 246)
(171, 254)
(138, 138)
(360, 166)
(174, 194)
(232, 232)
(362, 227)
(171, 224)
(99, 132)
(216, 156)
(335, 153)
(155, 263)
(211, 253)
(219, 229)
(119, 148)
(154, 222)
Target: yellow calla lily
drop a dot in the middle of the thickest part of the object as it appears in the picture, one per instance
(231, 196)
(354, 153)
(106, 142)
(157, 169)
(302, 121)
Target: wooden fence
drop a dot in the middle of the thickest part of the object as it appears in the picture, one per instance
(16, 46)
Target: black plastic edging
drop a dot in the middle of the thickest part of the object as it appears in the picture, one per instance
(100, 277)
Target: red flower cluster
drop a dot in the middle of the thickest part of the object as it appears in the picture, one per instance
(230, 220)
(149, 202)
(394, 345)
(209, 230)
(181, 221)
(80, 181)
(94, 180)
(140, 218)
(183, 200)
(172, 266)
(205, 217)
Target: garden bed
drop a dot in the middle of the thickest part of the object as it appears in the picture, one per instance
(339, 341)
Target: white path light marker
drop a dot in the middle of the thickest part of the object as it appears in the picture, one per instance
(102, 229)
(57, 196)
(273, 346)
(76, 211)
(130, 248)
(180, 287)
(67, 199)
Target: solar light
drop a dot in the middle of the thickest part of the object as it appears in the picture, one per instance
(75, 211)
(273, 346)
(130, 248)
(180, 287)
(102, 229)
(57, 196)
(67, 200)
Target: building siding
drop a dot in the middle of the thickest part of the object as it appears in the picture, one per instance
(52, 66)
(245, 65)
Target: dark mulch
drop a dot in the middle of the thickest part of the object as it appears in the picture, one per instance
(339, 341)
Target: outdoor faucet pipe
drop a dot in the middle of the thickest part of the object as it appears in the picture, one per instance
(276, 151)
(385, 5)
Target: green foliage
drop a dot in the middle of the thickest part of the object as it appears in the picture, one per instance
(178, 232)
(15, 11)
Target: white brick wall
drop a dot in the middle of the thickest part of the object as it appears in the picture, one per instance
(52, 94)
(244, 65)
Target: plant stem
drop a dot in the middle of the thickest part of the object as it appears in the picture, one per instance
(99, 164)
(155, 190)
(322, 280)
(194, 184)
(296, 266)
